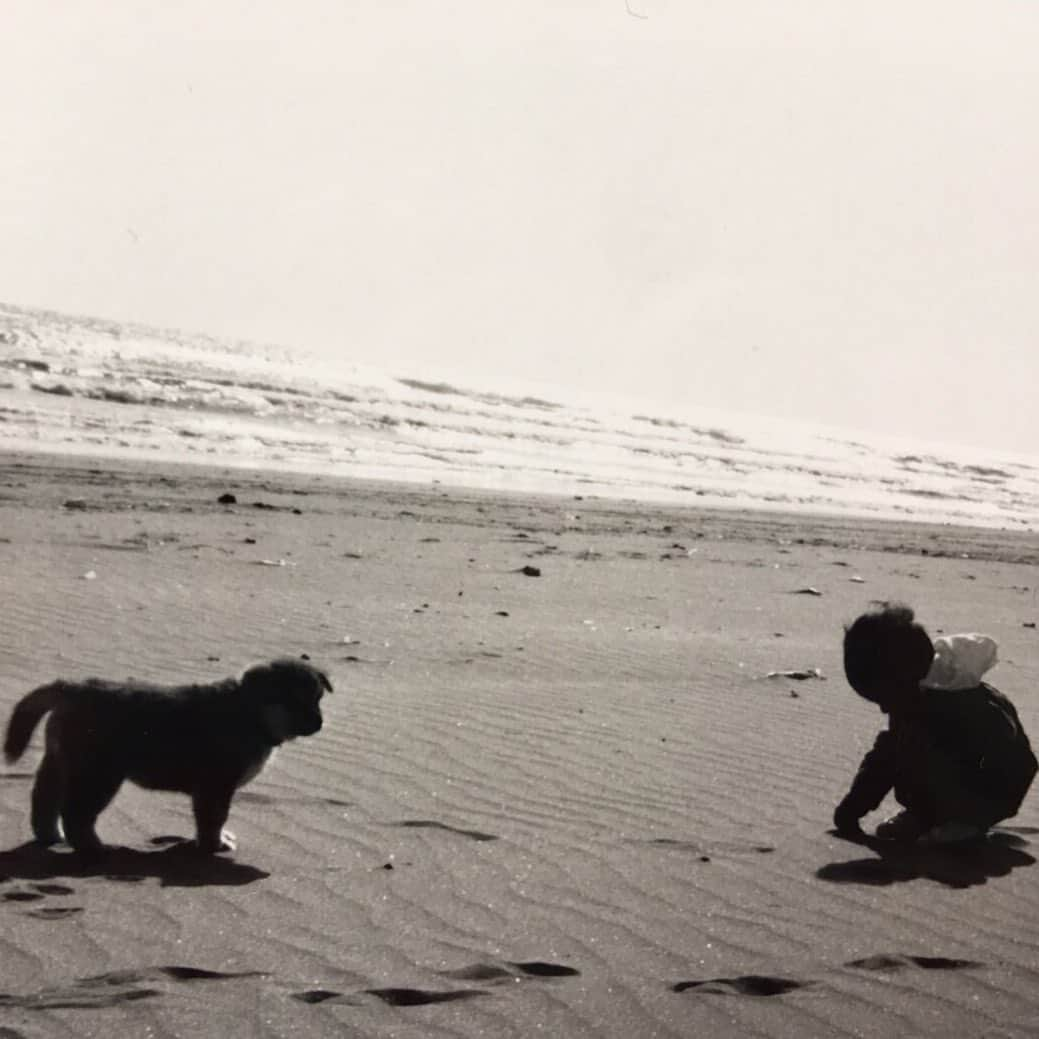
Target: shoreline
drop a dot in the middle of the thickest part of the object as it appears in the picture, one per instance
(838, 529)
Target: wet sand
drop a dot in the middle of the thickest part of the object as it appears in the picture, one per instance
(569, 803)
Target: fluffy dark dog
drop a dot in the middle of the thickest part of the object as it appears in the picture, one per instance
(201, 740)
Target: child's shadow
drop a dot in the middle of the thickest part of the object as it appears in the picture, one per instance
(176, 865)
(957, 866)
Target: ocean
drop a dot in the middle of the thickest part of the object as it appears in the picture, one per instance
(75, 385)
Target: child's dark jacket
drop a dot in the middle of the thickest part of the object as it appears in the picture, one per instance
(952, 754)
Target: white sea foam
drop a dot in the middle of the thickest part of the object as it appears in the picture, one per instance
(86, 386)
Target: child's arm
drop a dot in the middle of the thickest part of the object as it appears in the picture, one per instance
(875, 777)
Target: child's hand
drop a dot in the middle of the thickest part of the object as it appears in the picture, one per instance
(846, 822)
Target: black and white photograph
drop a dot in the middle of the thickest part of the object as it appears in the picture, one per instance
(519, 519)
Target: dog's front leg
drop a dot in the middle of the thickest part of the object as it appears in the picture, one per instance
(212, 806)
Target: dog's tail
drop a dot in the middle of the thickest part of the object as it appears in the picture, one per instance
(26, 716)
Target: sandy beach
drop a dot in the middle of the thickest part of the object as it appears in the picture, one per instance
(568, 802)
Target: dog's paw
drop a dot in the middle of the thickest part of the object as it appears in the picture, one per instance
(49, 839)
(215, 845)
(226, 842)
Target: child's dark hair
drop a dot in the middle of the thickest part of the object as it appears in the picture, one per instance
(883, 647)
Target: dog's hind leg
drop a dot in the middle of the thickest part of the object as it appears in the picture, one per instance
(48, 795)
(87, 796)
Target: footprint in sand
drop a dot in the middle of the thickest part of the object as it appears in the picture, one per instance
(885, 962)
(766, 985)
(413, 997)
(396, 997)
(255, 797)
(432, 824)
(511, 970)
(702, 847)
(74, 998)
(54, 912)
(746, 985)
(543, 969)
(53, 889)
(114, 988)
(416, 997)
(317, 995)
(176, 972)
(36, 893)
(479, 972)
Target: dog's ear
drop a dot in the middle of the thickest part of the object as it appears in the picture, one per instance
(257, 679)
(269, 678)
(318, 673)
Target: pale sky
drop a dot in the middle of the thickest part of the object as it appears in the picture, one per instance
(804, 208)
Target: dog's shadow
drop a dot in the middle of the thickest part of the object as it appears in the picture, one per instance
(955, 866)
(176, 863)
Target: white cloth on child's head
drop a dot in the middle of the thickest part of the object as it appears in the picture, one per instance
(960, 661)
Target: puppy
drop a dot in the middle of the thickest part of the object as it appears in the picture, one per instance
(202, 740)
